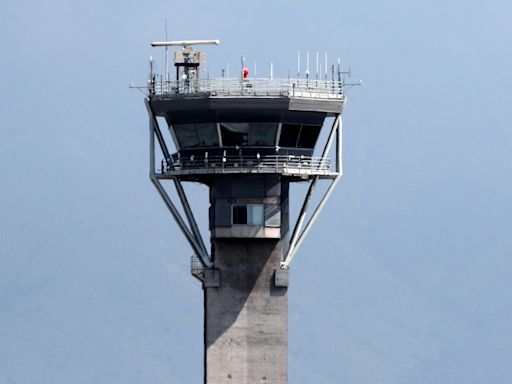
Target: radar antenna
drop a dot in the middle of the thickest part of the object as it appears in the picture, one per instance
(184, 43)
(187, 62)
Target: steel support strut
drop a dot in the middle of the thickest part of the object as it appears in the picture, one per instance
(191, 233)
(181, 223)
(299, 235)
(300, 219)
(190, 216)
(156, 130)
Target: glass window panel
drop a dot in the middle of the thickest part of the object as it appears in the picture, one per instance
(308, 136)
(289, 135)
(207, 134)
(234, 134)
(255, 214)
(239, 214)
(187, 135)
(196, 135)
(263, 134)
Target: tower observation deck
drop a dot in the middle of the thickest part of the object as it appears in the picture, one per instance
(246, 139)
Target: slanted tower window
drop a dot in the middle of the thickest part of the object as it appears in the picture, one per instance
(248, 134)
(299, 136)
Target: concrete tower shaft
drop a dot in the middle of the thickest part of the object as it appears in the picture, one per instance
(246, 303)
(246, 318)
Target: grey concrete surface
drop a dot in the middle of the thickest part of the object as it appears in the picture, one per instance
(246, 318)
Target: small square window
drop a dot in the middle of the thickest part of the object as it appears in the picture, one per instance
(249, 214)
(239, 214)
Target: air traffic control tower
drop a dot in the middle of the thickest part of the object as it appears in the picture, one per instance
(246, 139)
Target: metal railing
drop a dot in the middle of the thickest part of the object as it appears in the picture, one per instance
(323, 89)
(263, 164)
(197, 268)
(195, 264)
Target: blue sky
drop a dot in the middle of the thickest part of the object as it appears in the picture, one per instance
(405, 278)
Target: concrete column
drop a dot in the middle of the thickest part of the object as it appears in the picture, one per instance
(246, 316)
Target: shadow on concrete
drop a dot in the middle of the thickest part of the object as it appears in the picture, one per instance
(247, 284)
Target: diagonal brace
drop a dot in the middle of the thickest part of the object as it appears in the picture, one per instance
(190, 216)
(299, 235)
(292, 251)
(193, 241)
(192, 234)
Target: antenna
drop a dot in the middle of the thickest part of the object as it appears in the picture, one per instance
(317, 65)
(339, 69)
(187, 61)
(298, 64)
(325, 74)
(166, 56)
(307, 64)
(151, 80)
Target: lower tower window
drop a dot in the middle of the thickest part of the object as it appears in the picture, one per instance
(249, 214)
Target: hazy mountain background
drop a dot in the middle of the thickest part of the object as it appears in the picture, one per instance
(406, 276)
